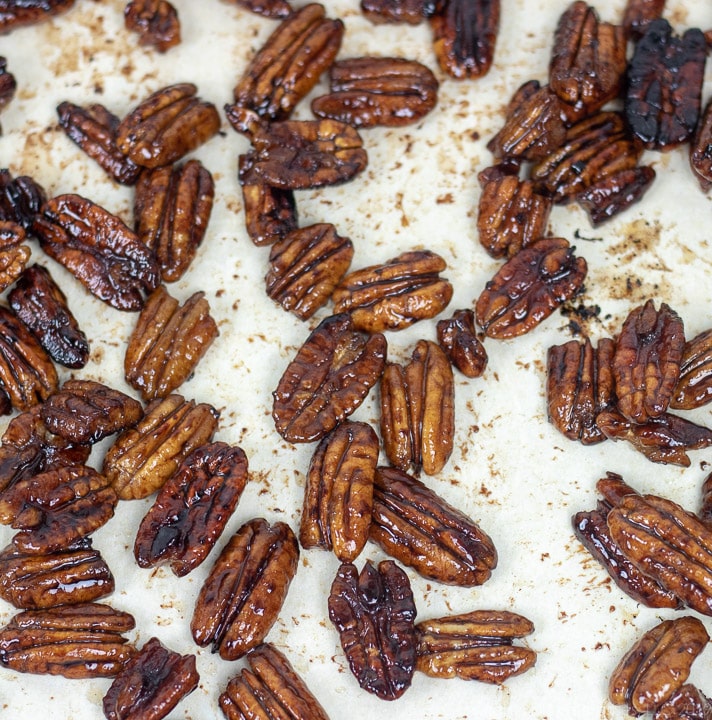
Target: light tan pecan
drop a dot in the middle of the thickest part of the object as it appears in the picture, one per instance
(688, 702)
(14, 14)
(694, 386)
(13, 253)
(277, 9)
(156, 22)
(639, 14)
(457, 337)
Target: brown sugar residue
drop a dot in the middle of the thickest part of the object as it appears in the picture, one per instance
(639, 236)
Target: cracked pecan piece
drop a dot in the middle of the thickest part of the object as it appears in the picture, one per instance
(694, 386)
(21, 198)
(13, 253)
(700, 153)
(8, 84)
(419, 529)
(14, 14)
(246, 588)
(412, 12)
(277, 9)
(638, 14)
(76, 641)
(155, 21)
(688, 703)
(457, 337)
(705, 513)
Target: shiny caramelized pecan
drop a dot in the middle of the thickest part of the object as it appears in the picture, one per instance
(418, 528)
(76, 641)
(21, 198)
(458, 338)
(327, 380)
(168, 342)
(13, 254)
(529, 287)
(268, 8)
(688, 702)
(305, 267)
(338, 498)
(418, 410)
(42, 306)
(639, 14)
(705, 512)
(172, 209)
(8, 84)
(369, 91)
(701, 149)
(150, 684)
(192, 509)
(412, 12)
(657, 665)
(166, 126)
(156, 22)
(93, 129)
(664, 88)
(478, 645)
(31, 581)
(14, 14)
(246, 588)
(694, 386)
(374, 613)
(395, 294)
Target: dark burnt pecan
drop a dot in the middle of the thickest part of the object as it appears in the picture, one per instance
(93, 129)
(701, 149)
(639, 14)
(246, 588)
(8, 84)
(192, 508)
(21, 198)
(327, 380)
(166, 126)
(306, 265)
(168, 342)
(172, 209)
(694, 386)
(418, 528)
(478, 645)
(338, 498)
(76, 641)
(150, 684)
(156, 22)
(412, 12)
(529, 287)
(664, 85)
(370, 91)
(458, 338)
(374, 613)
(77, 574)
(277, 9)
(688, 703)
(14, 14)
(13, 254)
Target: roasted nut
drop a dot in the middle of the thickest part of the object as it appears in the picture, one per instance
(639, 14)
(21, 198)
(168, 342)
(156, 22)
(458, 338)
(327, 380)
(688, 702)
(338, 498)
(8, 84)
(246, 588)
(701, 149)
(306, 266)
(13, 254)
(374, 613)
(705, 513)
(419, 529)
(14, 14)
(475, 646)
(172, 209)
(192, 509)
(277, 9)
(694, 387)
(76, 641)
(412, 12)
(150, 684)
(529, 287)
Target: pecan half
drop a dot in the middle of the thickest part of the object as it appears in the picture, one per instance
(156, 22)
(13, 254)
(688, 702)
(374, 613)
(8, 84)
(246, 588)
(639, 14)
(458, 338)
(694, 386)
(412, 12)
(327, 380)
(21, 198)
(277, 9)
(705, 512)
(418, 528)
(14, 14)
(701, 149)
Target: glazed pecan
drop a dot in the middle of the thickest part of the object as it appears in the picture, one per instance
(14, 14)
(639, 14)
(327, 380)
(21, 198)
(156, 22)
(150, 684)
(694, 386)
(664, 85)
(76, 641)
(168, 342)
(305, 267)
(166, 126)
(701, 149)
(478, 645)
(277, 9)
(246, 588)
(458, 338)
(93, 129)
(8, 84)
(418, 528)
(374, 613)
(338, 498)
(97, 247)
(705, 513)
(688, 702)
(412, 12)
(370, 91)
(13, 254)
(529, 287)
(31, 581)
(395, 294)
(192, 509)
(172, 209)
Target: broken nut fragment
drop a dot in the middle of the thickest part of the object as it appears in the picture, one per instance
(13, 253)
(156, 22)
(694, 386)
(457, 336)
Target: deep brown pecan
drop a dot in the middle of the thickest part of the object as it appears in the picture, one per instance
(478, 645)
(8, 84)
(458, 338)
(418, 528)
(69, 576)
(166, 126)
(13, 254)
(338, 498)
(529, 287)
(168, 342)
(664, 85)
(395, 294)
(93, 129)
(370, 91)
(701, 149)
(76, 641)
(305, 267)
(21, 198)
(412, 12)
(156, 22)
(694, 386)
(150, 684)
(192, 509)
(172, 209)
(639, 14)
(327, 380)
(14, 14)
(246, 588)
(688, 703)
(374, 613)
(277, 9)
(657, 665)
(705, 512)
